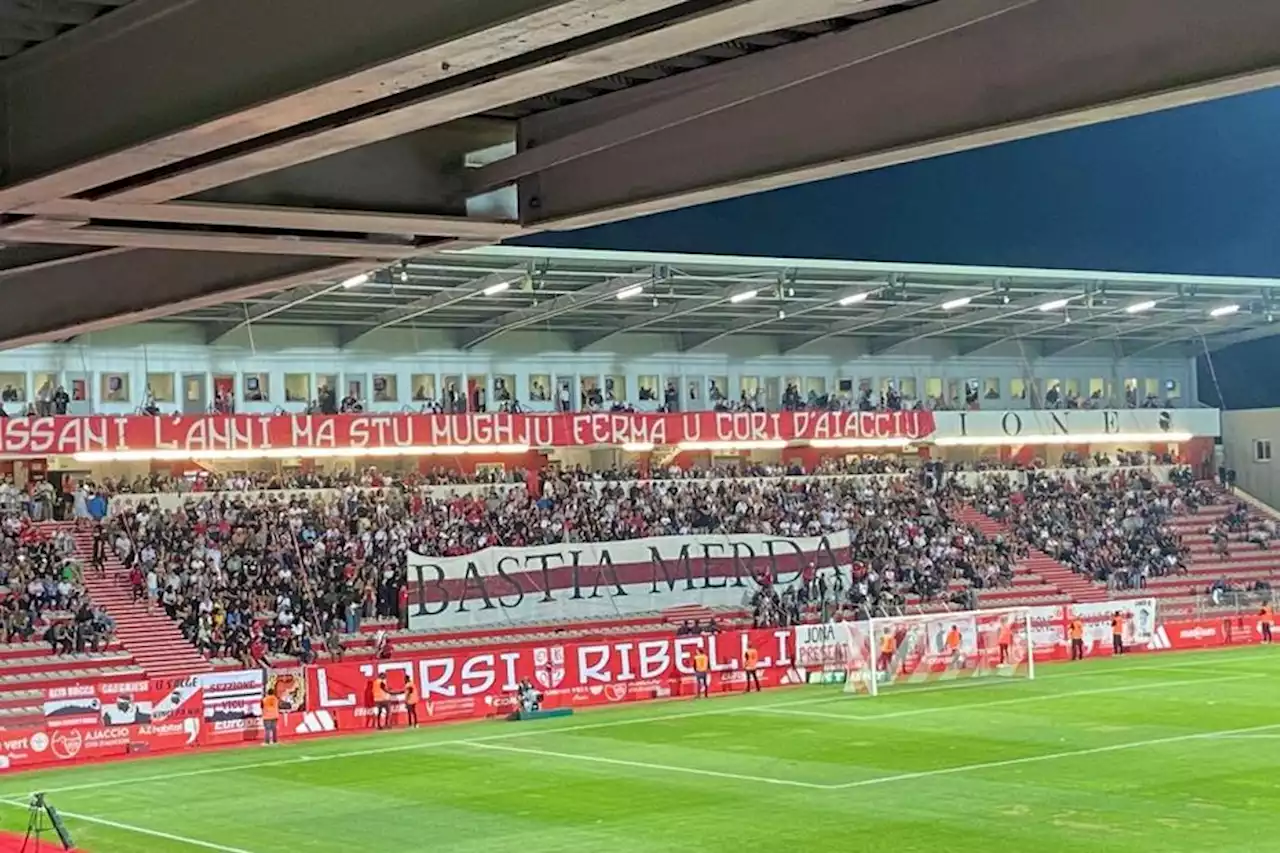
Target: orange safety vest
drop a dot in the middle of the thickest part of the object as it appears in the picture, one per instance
(700, 662)
(749, 659)
(1266, 614)
(270, 707)
(379, 692)
(888, 644)
(1117, 625)
(953, 639)
(1077, 630)
(1006, 635)
(411, 694)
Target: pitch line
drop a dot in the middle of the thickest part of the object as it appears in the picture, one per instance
(140, 830)
(1053, 756)
(1017, 700)
(645, 765)
(533, 732)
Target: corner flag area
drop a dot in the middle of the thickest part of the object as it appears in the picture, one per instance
(1147, 754)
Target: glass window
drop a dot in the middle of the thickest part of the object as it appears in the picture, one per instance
(717, 389)
(385, 388)
(1097, 388)
(907, 387)
(452, 394)
(590, 394)
(257, 388)
(1018, 388)
(794, 383)
(1152, 387)
(478, 392)
(115, 387)
(540, 387)
(748, 386)
(1172, 389)
(1052, 392)
(991, 388)
(46, 384)
(13, 387)
(224, 393)
(328, 382)
(424, 387)
(161, 387)
(1262, 450)
(649, 388)
(297, 387)
(933, 387)
(1073, 388)
(815, 385)
(504, 388)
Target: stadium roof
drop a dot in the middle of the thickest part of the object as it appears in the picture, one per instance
(327, 143)
(478, 295)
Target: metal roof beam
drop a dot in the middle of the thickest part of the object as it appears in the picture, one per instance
(1112, 334)
(350, 335)
(217, 332)
(931, 302)
(682, 308)
(523, 317)
(706, 340)
(974, 318)
(1221, 341)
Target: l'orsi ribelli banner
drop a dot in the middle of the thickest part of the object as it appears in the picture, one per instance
(603, 579)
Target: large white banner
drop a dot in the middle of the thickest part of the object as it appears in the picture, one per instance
(602, 579)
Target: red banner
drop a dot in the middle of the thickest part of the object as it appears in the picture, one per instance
(121, 703)
(482, 682)
(57, 436)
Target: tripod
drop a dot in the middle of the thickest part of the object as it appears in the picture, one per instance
(36, 823)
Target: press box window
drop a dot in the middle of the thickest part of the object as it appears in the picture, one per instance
(1262, 450)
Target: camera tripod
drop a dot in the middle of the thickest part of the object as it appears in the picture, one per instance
(37, 823)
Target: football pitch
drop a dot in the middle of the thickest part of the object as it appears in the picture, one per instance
(1146, 753)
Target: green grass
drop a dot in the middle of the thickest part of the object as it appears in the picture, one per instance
(1109, 754)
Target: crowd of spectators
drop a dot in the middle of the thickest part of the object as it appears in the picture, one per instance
(1111, 526)
(246, 575)
(42, 595)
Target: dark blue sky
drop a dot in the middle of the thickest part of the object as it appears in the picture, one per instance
(1194, 190)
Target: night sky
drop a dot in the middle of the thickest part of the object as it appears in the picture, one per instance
(1194, 191)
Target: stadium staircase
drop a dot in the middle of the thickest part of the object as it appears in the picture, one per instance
(1038, 568)
(152, 638)
(1245, 565)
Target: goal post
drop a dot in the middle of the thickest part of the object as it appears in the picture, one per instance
(888, 652)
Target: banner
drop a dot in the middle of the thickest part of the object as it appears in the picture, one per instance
(122, 703)
(481, 682)
(232, 706)
(607, 579)
(57, 436)
(1181, 634)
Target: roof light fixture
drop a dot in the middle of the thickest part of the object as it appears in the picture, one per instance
(1224, 310)
(356, 280)
(496, 288)
(633, 290)
(1054, 305)
(855, 298)
(1139, 307)
(957, 303)
(744, 296)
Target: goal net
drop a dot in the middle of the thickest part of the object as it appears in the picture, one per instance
(885, 652)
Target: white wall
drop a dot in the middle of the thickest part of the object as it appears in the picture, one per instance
(1240, 431)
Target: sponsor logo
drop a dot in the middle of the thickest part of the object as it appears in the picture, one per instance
(39, 742)
(66, 745)
(1198, 633)
(549, 663)
(615, 692)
